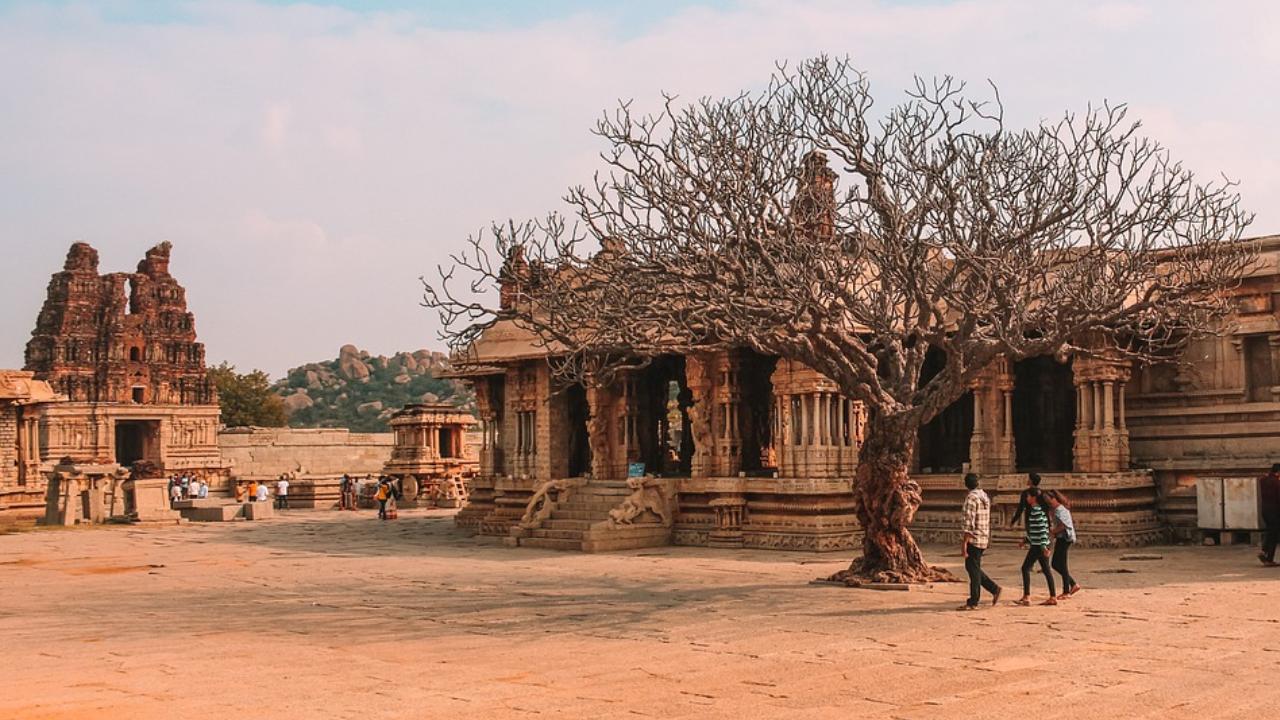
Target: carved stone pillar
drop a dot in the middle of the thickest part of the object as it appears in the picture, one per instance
(991, 446)
(1102, 435)
(698, 370)
(728, 403)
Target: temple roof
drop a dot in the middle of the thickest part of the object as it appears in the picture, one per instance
(21, 386)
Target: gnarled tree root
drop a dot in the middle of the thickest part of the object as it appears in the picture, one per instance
(860, 574)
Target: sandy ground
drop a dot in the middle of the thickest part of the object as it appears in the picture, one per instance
(326, 615)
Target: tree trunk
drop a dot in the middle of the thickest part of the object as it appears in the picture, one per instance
(887, 499)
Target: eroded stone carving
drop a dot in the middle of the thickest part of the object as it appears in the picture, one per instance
(544, 500)
(648, 495)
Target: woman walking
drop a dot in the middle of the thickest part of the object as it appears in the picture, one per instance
(1064, 533)
(1037, 544)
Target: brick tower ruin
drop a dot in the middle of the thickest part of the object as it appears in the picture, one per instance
(119, 337)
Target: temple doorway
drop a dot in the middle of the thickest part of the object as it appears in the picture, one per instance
(137, 440)
(1044, 415)
(666, 441)
(579, 438)
(943, 442)
(755, 380)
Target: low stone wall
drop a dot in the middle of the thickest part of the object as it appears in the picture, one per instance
(265, 453)
(1114, 510)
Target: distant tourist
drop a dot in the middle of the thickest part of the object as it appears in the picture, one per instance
(1036, 541)
(1269, 502)
(175, 492)
(204, 489)
(977, 534)
(383, 492)
(1024, 498)
(253, 490)
(282, 492)
(1064, 536)
(262, 492)
(344, 487)
(239, 490)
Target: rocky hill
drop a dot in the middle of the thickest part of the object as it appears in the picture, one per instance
(360, 391)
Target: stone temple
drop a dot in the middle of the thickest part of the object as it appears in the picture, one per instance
(737, 449)
(121, 350)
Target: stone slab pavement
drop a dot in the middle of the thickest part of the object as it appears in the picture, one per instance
(336, 615)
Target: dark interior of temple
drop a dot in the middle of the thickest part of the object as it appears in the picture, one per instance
(943, 445)
(1044, 415)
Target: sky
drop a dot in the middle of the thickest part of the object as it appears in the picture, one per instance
(309, 161)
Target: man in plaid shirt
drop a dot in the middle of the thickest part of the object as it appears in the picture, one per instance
(977, 534)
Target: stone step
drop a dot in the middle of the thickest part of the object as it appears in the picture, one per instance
(543, 532)
(554, 523)
(590, 515)
(550, 543)
(579, 504)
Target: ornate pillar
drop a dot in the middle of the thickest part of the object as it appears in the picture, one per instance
(991, 445)
(1102, 435)
(697, 369)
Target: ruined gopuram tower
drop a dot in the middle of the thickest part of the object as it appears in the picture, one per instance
(122, 348)
(119, 337)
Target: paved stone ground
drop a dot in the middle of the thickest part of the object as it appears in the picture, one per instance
(328, 615)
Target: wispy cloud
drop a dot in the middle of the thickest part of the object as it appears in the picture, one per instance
(310, 161)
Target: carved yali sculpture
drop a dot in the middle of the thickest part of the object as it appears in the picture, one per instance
(647, 495)
(541, 504)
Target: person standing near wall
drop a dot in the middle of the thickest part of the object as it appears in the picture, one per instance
(282, 493)
(1269, 502)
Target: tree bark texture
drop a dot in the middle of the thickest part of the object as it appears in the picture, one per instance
(887, 499)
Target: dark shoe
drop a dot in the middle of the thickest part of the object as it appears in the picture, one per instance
(967, 606)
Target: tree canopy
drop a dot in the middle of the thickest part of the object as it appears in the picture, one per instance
(247, 399)
(721, 222)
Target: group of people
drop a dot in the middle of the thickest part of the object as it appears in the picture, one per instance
(187, 487)
(1049, 533)
(386, 492)
(255, 491)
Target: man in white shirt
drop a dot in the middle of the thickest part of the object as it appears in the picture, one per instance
(282, 492)
(262, 492)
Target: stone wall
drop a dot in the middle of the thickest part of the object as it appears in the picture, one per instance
(8, 446)
(265, 453)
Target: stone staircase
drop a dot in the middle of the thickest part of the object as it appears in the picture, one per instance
(573, 523)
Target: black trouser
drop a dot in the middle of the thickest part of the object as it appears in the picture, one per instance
(1270, 537)
(282, 502)
(1061, 547)
(977, 578)
(382, 509)
(1034, 555)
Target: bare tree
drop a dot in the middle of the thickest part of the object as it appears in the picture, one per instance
(721, 224)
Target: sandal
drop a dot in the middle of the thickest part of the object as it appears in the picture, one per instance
(967, 606)
(1050, 601)
(1024, 602)
(1074, 589)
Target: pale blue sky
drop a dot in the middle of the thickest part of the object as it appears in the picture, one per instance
(310, 160)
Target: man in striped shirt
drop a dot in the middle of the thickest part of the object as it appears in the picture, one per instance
(977, 534)
(1037, 545)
